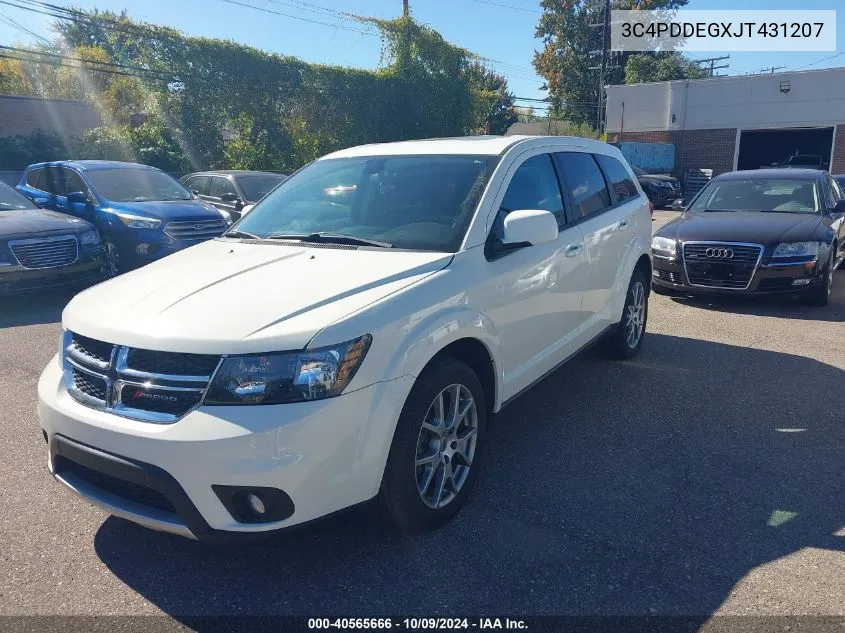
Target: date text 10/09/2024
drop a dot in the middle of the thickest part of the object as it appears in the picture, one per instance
(415, 624)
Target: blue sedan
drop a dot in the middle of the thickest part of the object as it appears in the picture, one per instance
(141, 212)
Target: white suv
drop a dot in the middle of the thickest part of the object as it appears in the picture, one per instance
(351, 338)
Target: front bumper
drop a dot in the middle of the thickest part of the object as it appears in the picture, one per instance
(324, 455)
(146, 246)
(663, 196)
(669, 275)
(87, 270)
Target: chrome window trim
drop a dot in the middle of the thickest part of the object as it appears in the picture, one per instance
(718, 243)
(39, 240)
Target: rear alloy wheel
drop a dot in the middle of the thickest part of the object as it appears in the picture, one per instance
(112, 259)
(437, 449)
(820, 295)
(626, 338)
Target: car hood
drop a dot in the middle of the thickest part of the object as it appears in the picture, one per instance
(228, 297)
(169, 209)
(758, 228)
(34, 221)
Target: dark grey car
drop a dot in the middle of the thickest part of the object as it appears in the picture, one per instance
(230, 190)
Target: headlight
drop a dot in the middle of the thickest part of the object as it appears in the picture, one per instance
(289, 376)
(797, 249)
(138, 222)
(89, 237)
(663, 245)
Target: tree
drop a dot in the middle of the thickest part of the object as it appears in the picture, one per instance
(570, 40)
(648, 67)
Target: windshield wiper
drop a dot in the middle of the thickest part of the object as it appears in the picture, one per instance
(329, 238)
(241, 234)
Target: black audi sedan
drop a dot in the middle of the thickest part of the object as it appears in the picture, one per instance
(750, 232)
(42, 249)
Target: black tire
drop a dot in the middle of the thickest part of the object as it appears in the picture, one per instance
(617, 341)
(400, 501)
(820, 295)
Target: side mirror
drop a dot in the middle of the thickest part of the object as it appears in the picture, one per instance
(41, 202)
(77, 197)
(838, 208)
(246, 209)
(195, 192)
(529, 227)
(228, 197)
(677, 205)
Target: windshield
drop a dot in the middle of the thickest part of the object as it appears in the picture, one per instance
(256, 186)
(12, 200)
(781, 195)
(127, 184)
(412, 202)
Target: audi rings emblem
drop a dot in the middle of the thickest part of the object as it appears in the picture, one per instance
(719, 253)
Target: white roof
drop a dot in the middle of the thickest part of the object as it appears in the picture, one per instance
(473, 145)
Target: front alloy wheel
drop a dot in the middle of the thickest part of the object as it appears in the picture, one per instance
(626, 338)
(446, 446)
(438, 448)
(112, 259)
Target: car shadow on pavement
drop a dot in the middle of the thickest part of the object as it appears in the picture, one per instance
(647, 487)
(782, 306)
(33, 309)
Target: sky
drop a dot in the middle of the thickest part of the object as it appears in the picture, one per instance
(500, 30)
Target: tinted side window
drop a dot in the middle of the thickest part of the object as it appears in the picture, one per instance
(832, 195)
(32, 177)
(534, 185)
(51, 181)
(198, 184)
(219, 186)
(620, 181)
(584, 181)
(74, 182)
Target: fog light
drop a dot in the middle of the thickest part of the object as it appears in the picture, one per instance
(655, 273)
(142, 249)
(255, 504)
(801, 282)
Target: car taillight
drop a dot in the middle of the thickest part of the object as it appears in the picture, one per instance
(650, 208)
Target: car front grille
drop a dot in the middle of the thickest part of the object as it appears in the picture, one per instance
(200, 230)
(46, 252)
(727, 265)
(142, 384)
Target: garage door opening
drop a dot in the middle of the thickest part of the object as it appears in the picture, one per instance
(798, 147)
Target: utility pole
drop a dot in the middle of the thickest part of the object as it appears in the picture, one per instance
(712, 61)
(770, 68)
(405, 9)
(605, 31)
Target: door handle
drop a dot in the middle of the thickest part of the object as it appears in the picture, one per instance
(623, 224)
(573, 249)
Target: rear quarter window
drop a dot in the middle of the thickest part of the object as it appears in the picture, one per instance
(622, 185)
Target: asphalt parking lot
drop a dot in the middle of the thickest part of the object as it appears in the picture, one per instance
(705, 477)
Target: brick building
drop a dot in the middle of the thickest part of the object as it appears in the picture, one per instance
(741, 122)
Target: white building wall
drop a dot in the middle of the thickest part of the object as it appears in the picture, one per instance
(815, 98)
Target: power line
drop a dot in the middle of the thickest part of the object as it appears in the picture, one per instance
(506, 6)
(296, 17)
(83, 60)
(818, 61)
